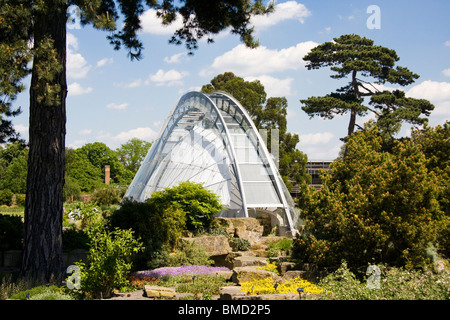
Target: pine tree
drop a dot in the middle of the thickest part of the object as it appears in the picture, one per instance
(44, 22)
(355, 57)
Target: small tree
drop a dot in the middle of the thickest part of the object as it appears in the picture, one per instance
(374, 207)
(198, 203)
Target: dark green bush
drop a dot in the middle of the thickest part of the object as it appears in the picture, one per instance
(20, 200)
(157, 226)
(198, 203)
(74, 238)
(107, 196)
(6, 197)
(11, 232)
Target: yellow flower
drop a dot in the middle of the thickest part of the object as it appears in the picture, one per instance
(267, 286)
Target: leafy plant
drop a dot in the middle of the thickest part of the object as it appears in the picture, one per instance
(198, 203)
(107, 195)
(374, 207)
(108, 262)
(186, 253)
(36, 291)
(6, 197)
(159, 226)
(395, 284)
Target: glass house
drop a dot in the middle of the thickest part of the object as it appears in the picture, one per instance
(211, 139)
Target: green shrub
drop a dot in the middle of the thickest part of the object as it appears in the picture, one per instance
(239, 244)
(107, 196)
(71, 190)
(374, 207)
(6, 197)
(36, 291)
(199, 204)
(108, 261)
(11, 232)
(275, 248)
(158, 225)
(74, 238)
(395, 284)
(51, 295)
(20, 200)
(186, 253)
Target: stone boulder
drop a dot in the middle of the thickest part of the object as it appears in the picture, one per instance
(245, 228)
(159, 292)
(249, 261)
(230, 292)
(213, 245)
(244, 274)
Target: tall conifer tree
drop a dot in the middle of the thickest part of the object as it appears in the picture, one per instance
(43, 22)
(365, 64)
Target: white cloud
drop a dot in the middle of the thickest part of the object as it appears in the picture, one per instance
(72, 41)
(447, 43)
(244, 61)
(117, 106)
(20, 128)
(85, 132)
(167, 78)
(75, 89)
(321, 153)
(446, 72)
(438, 93)
(274, 87)
(290, 10)
(104, 62)
(77, 66)
(176, 58)
(152, 24)
(316, 138)
(77, 144)
(145, 133)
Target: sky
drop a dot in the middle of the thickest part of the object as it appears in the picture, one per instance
(112, 99)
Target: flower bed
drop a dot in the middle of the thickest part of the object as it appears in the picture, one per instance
(183, 270)
(268, 286)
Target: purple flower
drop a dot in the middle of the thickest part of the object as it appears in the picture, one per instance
(183, 270)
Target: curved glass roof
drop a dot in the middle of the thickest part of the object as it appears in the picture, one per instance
(210, 139)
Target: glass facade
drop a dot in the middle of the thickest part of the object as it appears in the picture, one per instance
(210, 139)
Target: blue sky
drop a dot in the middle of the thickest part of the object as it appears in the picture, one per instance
(112, 99)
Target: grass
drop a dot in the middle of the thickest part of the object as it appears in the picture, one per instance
(14, 211)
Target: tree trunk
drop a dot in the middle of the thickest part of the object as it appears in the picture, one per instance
(42, 254)
(351, 125)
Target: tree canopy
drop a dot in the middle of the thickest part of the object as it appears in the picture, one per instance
(366, 64)
(377, 206)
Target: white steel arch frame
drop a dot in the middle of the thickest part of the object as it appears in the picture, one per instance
(236, 162)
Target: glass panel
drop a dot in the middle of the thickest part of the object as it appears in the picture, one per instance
(260, 193)
(244, 155)
(253, 172)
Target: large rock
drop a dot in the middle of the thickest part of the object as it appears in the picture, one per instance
(245, 228)
(244, 274)
(228, 293)
(213, 245)
(159, 292)
(249, 261)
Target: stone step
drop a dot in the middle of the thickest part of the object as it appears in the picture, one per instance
(249, 261)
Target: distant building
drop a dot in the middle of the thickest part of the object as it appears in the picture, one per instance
(313, 168)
